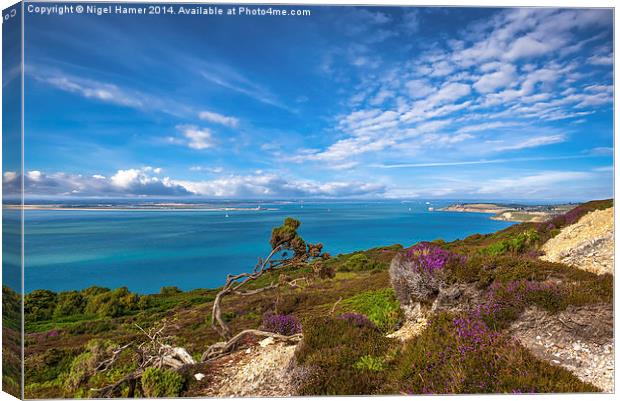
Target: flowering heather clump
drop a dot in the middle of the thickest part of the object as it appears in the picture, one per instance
(566, 219)
(473, 334)
(53, 333)
(417, 274)
(286, 325)
(428, 258)
(504, 301)
(357, 319)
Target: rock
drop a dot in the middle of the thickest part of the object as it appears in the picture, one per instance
(266, 342)
(199, 376)
(576, 347)
(587, 244)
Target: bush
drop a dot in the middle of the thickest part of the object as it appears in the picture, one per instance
(39, 305)
(83, 365)
(162, 383)
(113, 303)
(380, 307)
(359, 262)
(69, 303)
(172, 290)
(286, 325)
(518, 244)
(371, 363)
(417, 274)
(337, 354)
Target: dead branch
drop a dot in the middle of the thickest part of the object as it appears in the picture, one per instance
(333, 309)
(221, 349)
(106, 364)
(154, 352)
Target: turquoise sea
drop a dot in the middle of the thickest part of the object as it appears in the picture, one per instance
(145, 250)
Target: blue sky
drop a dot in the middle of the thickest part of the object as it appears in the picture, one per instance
(346, 103)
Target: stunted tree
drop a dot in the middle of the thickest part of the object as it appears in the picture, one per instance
(288, 250)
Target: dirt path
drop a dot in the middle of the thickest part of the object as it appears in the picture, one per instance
(259, 371)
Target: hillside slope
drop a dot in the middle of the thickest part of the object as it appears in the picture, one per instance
(587, 244)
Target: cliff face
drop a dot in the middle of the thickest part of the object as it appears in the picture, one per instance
(587, 244)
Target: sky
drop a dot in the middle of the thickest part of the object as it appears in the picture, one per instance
(349, 102)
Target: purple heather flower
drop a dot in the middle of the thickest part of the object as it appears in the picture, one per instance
(282, 324)
(429, 258)
(357, 319)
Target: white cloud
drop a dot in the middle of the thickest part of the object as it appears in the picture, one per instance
(197, 138)
(531, 142)
(498, 79)
(92, 89)
(450, 92)
(532, 184)
(214, 170)
(418, 88)
(139, 182)
(217, 118)
(129, 182)
(527, 46)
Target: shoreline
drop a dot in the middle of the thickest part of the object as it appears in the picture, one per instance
(183, 208)
(513, 213)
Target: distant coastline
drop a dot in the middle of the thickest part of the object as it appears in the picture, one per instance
(511, 212)
(160, 207)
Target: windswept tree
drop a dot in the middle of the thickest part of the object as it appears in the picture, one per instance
(288, 250)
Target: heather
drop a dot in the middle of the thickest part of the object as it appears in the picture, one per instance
(417, 274)
(344, 358)
(282, 324)
(462, 355)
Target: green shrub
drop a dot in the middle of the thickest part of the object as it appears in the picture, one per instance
(93, 291)
(172, 290)
(69, 303)
(359, 262)
(39, 305)
(369, 362)
(113, 303)
(332, 350)
(517, 244)
(381, 307)
(83, 365)
(162, 383)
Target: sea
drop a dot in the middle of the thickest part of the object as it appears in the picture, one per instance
(146, 249)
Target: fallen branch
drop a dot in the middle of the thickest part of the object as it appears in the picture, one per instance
(331, 312)
(221, 349)
(155, 352)
(105, 365)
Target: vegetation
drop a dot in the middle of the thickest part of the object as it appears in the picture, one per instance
(417, 274)
(344, 306)
(162, 383)
(380, 307)
(336, 354)
(461, 355)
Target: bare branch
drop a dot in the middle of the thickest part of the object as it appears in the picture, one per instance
(219, 350)
(331, 312)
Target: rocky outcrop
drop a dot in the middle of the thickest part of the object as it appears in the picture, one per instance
(262, 370)
(587, 244)
(579, 339)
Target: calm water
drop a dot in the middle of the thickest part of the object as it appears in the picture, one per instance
(145, 250)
